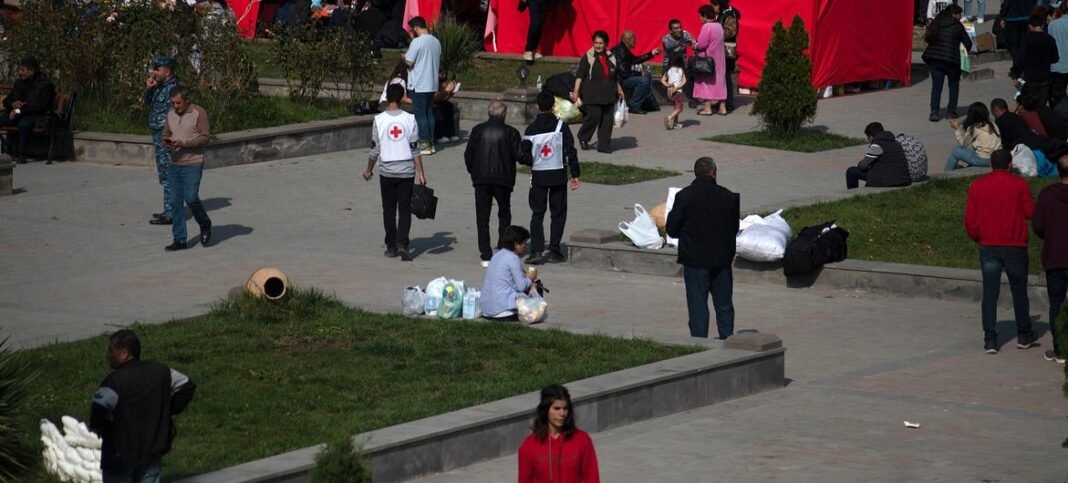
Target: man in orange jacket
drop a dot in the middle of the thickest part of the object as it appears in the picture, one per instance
(999, 205)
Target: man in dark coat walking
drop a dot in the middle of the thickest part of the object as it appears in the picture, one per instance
(884, 163)
(705, 220)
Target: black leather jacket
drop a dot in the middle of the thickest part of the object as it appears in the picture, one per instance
(627, 63)
(37, 92)
(493, 150)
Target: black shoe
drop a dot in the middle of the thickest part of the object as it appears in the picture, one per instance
(636, 110)
(585, 145)
(391, 252)
(693, 104)
(604, 150)
(205, 235)
(163, 220)
(535, 260)
(1022, 345)
(652, 108)
(934, 117)
(404, 255)
(177, 245)
(20, 159)
(157, 215)
(555, 257)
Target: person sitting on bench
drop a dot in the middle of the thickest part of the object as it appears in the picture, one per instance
(26, 104)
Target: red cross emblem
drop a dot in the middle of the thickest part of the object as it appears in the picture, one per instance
(546, 151)
(395, 132)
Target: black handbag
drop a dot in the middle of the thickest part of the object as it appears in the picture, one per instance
(424, 203)
(700, 64)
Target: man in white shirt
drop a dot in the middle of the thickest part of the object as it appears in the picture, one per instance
(423, 59)
(394, 137)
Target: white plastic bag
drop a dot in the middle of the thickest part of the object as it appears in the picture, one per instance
(532, 308)
(471, 309)
(565, 111)
(413, 302)
(433, 295)
(673, 242)
(642, 230)
(763, 239)
(621, 116)
(1024, 160)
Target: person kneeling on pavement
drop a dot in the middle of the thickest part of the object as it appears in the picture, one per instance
(552, 143)
(884, 164)
(632, 77)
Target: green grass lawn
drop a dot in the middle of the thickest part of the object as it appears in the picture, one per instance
(808, 141)
(273, 378)
(615, 174)
(922, 225)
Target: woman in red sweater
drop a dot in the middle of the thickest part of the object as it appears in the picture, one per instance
(556, 451)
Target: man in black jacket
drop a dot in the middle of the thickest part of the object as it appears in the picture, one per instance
(1014, 15)
(705, 220)
(28, 103)
(132, 411)
(552, 145)
(631, 76)
(884, 164)
(493, 149)
(1038, 53)
(1013, 128)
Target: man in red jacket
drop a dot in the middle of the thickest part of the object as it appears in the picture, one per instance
(1051, 211)
(999, 205)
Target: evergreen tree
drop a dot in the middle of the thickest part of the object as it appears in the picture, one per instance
(785, 96)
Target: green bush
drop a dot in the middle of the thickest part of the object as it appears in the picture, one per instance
(340, 462)
(309, 57)
(16, 374)
(785, 97)
(458, 43)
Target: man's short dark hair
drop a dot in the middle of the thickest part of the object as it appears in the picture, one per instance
(999, 103)
(673, 21)
(127, 340)
(417, 22)
(512, 236)
(1000, 159)
(1038, 20)
(546, 100)
(181, 91)
(873, 128)
(30, 63)
(600, 34)
(704, 167)
(394, 93)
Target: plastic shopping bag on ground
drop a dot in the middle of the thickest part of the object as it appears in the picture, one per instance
(452, 300)
(764, 240)
(621, 116)
(1024, 160)
(532, 309)
(642, 230)
(1046, 168)
(433, 295)
(674, 242)
(471, 299)
(413, 302)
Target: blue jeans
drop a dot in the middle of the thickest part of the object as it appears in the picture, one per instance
(939, 73)
(979, 12)
(185, 190)
(640, 91)
(1013, 260)
(148, 474)
(699, 283)
(1056, 288)
(163, 159)
(423, 107)
(966, 156)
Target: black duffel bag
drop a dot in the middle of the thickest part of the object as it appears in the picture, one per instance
(813, 247)
(424, 203)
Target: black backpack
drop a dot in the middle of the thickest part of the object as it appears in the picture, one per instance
(813, 247)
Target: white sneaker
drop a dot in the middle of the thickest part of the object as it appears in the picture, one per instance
(537, 55)
(528, 56)
(443, 140)
(455, 139)
(484, 263)
(980, 20)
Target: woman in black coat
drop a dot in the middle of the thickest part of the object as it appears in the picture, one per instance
(597, 90)
(944, 37)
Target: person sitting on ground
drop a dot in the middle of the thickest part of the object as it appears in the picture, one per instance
(632, 76)
(884, 165)
(1041, 118)
(445, 111)
(569, 450)
(976, 138)
(400, 77)
(1013, 128)
(674, 79)
(505, 278)
(27, 103)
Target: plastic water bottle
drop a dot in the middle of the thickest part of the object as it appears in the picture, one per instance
(539, 83)
(471, 304)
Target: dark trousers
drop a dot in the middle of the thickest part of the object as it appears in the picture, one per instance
(1058, 84)
(730, 83)
(1056, 288)
(556, 198)
(939, 73)
(484, 197)
(1014, 35)
(25, 125)
(396, 209)
(853, 176)
(537, 22)
(1013, 260)
(699, 283)
(597, 117)
(444, 120)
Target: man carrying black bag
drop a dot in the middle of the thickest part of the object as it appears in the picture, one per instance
(395, 142)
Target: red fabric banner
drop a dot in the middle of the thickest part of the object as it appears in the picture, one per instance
(246, 12)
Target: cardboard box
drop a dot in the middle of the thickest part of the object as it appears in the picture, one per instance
(985, 42)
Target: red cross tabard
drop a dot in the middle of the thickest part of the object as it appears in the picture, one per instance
(395, 132)
(546, 151)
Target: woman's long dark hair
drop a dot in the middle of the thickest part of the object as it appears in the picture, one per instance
(550, 394)
(932, 30)
(400, 71)
(978, 116)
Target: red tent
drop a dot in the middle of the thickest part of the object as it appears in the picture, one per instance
(246, 12)
(850, 41)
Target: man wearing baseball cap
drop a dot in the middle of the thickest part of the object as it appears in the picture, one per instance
(157, 97)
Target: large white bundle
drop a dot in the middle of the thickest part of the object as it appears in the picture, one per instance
(763, 239)
(74, 457)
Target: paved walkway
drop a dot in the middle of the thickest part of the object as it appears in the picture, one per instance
(78, 257)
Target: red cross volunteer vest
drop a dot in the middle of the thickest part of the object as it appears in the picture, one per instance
(397, 133)
(548, 151)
